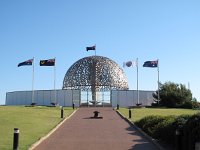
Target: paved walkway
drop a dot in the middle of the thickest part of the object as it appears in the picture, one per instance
(80, 132)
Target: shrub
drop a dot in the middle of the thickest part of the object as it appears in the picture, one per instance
(192, 130)
(164, 130)
(172, 94)
(191, 105)
(148, 124)
(179, 123)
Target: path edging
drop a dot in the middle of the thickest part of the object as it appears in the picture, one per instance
(51, 132)
(140, 130)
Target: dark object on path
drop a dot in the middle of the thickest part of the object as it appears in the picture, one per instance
(96, 115)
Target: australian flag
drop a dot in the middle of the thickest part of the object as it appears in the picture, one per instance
(91, 48)
(48, 62)
(151, 64)
(26, 63)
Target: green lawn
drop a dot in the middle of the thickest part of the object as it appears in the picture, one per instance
(138, 113)
(33, 123)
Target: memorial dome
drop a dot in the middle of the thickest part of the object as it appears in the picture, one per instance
(95, 73)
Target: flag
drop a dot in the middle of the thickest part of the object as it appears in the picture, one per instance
(91, 48)
(48, 62)
(152, 64)
(130, 64)
(26, 63)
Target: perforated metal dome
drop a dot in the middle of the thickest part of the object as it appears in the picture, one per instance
(95, 73)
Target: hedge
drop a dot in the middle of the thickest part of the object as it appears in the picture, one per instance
(163, 128)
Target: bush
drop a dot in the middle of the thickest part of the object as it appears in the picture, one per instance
(148, 124)
(191, 105)
(192, 130)
(172, 94)
(179, 123)
(165, 130)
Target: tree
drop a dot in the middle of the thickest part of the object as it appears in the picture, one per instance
(173, 94)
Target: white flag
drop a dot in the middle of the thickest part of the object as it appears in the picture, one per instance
(130, 64)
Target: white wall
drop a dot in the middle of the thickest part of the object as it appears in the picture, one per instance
(127, 98)
(44, 97)
(124, 98)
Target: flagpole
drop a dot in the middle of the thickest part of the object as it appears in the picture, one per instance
(55, 81)
(158, 83)
(33, 82)
(95, 50)
(137, 83)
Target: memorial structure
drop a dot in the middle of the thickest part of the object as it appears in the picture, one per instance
(95, 73)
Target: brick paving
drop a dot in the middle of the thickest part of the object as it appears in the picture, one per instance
(80, 132)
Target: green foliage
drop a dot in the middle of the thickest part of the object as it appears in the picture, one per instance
(168, 128)
(163, 128)
(190, 104)
(149, 124)
(158, 127)
(192, 130)
(173, 94)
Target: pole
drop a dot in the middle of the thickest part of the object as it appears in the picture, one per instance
(33, 83)
(188, 85)
(55, 82)
(117, 99)
(137, 83)
(73, 104)
(16, 139)
(129, 113)
(87, 99)
(158, 83)
(95, 50)
(61, 112)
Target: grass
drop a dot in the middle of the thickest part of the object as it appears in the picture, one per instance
(139, 113)
(33, 123)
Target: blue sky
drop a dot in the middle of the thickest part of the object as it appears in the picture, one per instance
(122, 30)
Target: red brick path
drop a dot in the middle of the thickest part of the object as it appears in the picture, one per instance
(82, 133)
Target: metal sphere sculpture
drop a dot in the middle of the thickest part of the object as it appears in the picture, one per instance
(95, 73)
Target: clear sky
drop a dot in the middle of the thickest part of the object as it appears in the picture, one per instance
(168, 30)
